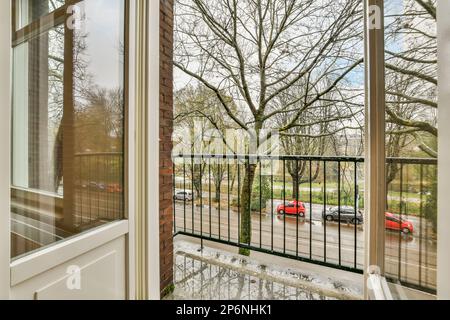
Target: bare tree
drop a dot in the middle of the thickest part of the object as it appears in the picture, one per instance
(257, 50)
(411, 76)
(316, 131)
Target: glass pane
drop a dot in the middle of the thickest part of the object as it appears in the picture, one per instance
(411, 96)
(68, 129)
(289, 90)
(28, 11)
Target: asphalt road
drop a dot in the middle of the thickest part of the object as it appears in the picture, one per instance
(313, 239)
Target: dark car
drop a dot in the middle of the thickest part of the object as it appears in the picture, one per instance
(347, 215)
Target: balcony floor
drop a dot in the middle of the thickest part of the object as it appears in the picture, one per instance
(218, 273)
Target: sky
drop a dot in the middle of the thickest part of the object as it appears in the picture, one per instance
(103, 25)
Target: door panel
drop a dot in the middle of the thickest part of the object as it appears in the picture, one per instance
(102, 276)
(68, 224)
(68, 123)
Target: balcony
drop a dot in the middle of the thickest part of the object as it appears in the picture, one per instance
(326, 233)
(215, 273)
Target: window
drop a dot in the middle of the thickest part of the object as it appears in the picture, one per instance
(411, 146)
(68, 119)
(27, 11)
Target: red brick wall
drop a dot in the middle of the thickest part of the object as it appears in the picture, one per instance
(166, 128)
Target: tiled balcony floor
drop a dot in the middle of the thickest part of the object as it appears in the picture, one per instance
(216, 274)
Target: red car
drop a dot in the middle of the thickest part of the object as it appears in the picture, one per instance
(114, 188)
(292, 208)
(393, 222)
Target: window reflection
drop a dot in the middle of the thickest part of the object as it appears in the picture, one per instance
(411, 173)
(68, 125)
(28, 11)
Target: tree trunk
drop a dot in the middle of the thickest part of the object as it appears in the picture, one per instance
(198, 179)
(295, 186)
(217, 197)
(246, 217)
(233, 180)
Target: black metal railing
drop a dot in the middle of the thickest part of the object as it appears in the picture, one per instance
(320, 221)
(93, 196)
(411, 259)
(98, 188)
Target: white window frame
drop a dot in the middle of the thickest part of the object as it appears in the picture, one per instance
(35, 263)
(5, 102)
(375, 140)
(29, 266)
(443, 255)
(153, 141)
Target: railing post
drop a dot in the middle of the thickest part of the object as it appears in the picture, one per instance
(375, 178)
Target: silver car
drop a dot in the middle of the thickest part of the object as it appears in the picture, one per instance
(184, 196)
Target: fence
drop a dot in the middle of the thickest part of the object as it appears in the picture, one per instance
(99, 187)
(307, 208)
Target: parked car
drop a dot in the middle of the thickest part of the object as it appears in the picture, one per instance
(101, 186)
(114, 188)
(347, 215)
(184, 196)
(292, 208)
(94, 186)
(393, 222)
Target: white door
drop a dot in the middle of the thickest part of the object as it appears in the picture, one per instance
(68, 223)
(5, 41)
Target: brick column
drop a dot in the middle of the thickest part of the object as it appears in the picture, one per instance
(166, 129)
